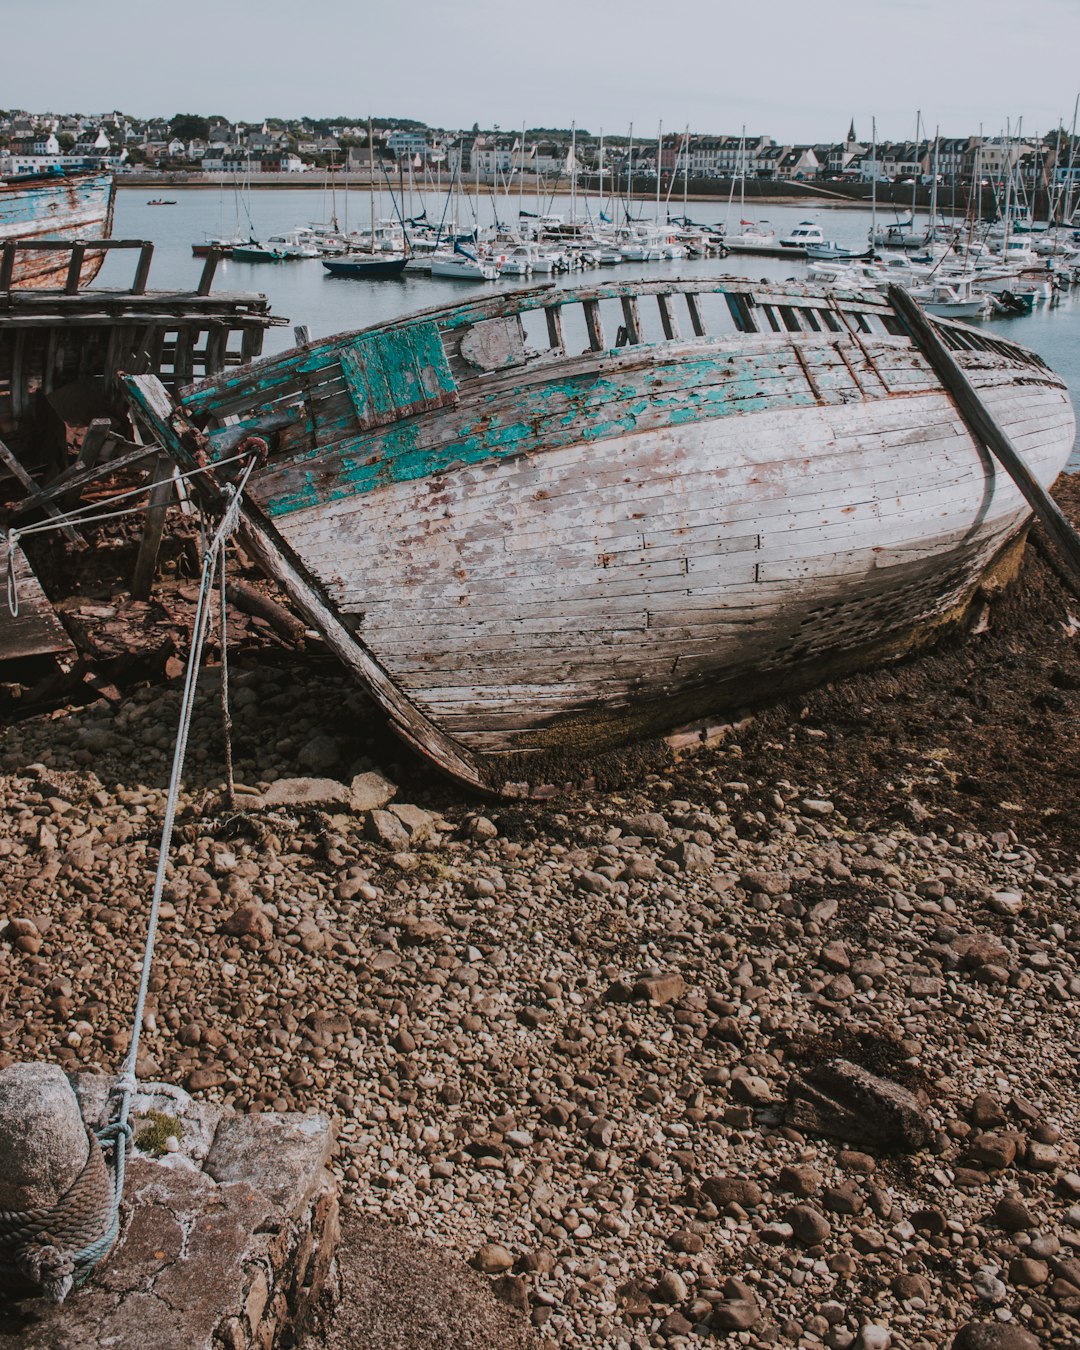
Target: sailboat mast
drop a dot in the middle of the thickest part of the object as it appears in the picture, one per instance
(630, 173)
(659, 161)
(573, 173)
(873, 183)
(371, 183)
(915, 178)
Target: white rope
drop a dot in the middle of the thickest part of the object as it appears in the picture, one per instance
(127, 1082)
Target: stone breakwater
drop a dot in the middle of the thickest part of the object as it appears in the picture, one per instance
(565, 1038)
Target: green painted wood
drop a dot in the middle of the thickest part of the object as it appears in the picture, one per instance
(390, 375)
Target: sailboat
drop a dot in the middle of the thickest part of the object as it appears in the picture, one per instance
(369, 265)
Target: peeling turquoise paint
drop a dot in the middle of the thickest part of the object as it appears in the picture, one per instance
(588, 408)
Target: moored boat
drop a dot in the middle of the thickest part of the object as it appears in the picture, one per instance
(525, 549)
(366, 266)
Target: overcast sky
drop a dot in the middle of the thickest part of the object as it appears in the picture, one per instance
(790, 69)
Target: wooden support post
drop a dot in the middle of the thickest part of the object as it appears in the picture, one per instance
(74, 273)
(206, 280)
(668, 321)
(553, 314)
(161, 491)
(697, 323)
(7, 265)
(631, 319)
(93, 443)
(594, 324)
(302, 334)
(984, 426)
(142, 269)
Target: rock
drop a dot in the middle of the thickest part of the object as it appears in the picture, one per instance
(765, 883)
(732, 1191)
(994, 1151)
(249, 921)
(201, 1079)
(978, 949)
(907, 1287)
(650, 825)
(1013, 1215)
(386, 829)
(840, 1098)
(987, 1112)
(492, 1259)
(1041, 1157)
(660, 989)
(321, 752)
(671, 1287)
(691, 857)
(988, 1287)
(43, 1142)
(994, 1336)
(305, 792)
(736, 1314)
(809, 1226)
(1025, 1273)
(873, 1337)
(802, 1180)
(371, 792)
(817, 806)
(419, 824)
(480, 827)
(752, 1090)
(1010, 903)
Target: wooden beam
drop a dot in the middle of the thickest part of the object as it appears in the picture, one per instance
(17, 470)
(985, 427)
(161, 493)
(142, 269)
(61, 487)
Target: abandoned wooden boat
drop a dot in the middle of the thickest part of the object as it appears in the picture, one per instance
(551, 520)
(35, 207)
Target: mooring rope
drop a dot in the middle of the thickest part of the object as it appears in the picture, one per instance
(58, 1247)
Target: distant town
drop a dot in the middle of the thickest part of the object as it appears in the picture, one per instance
(190, 144)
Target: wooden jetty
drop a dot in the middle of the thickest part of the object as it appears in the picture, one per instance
(557, 520)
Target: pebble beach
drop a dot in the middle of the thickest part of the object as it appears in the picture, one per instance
(566, 1034)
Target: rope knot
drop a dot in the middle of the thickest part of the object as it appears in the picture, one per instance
(51, 1269)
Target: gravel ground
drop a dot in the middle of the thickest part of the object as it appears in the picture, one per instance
(562, 1035)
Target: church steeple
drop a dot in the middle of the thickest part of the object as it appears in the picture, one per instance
(851, 132)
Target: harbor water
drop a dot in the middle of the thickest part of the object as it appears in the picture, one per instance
(305, 293)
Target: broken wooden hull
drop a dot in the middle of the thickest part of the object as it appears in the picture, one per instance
(542, 551)
(57, 206)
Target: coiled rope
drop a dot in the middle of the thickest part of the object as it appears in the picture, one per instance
(58, 1247)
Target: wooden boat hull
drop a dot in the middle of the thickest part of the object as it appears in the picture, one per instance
(562, 554)
(79, 206)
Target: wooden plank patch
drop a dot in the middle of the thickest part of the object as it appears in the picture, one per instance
(397, 374)
(36, 631)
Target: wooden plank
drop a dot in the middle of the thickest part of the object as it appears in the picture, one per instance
(16, 469)
(162, 491)
(35, 631)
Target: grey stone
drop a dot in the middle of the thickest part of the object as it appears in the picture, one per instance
(281, 1156)
(43, 1142)
(321, 752)
(371, 791)
(386, 829)
(305, 792)
(419, 824)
